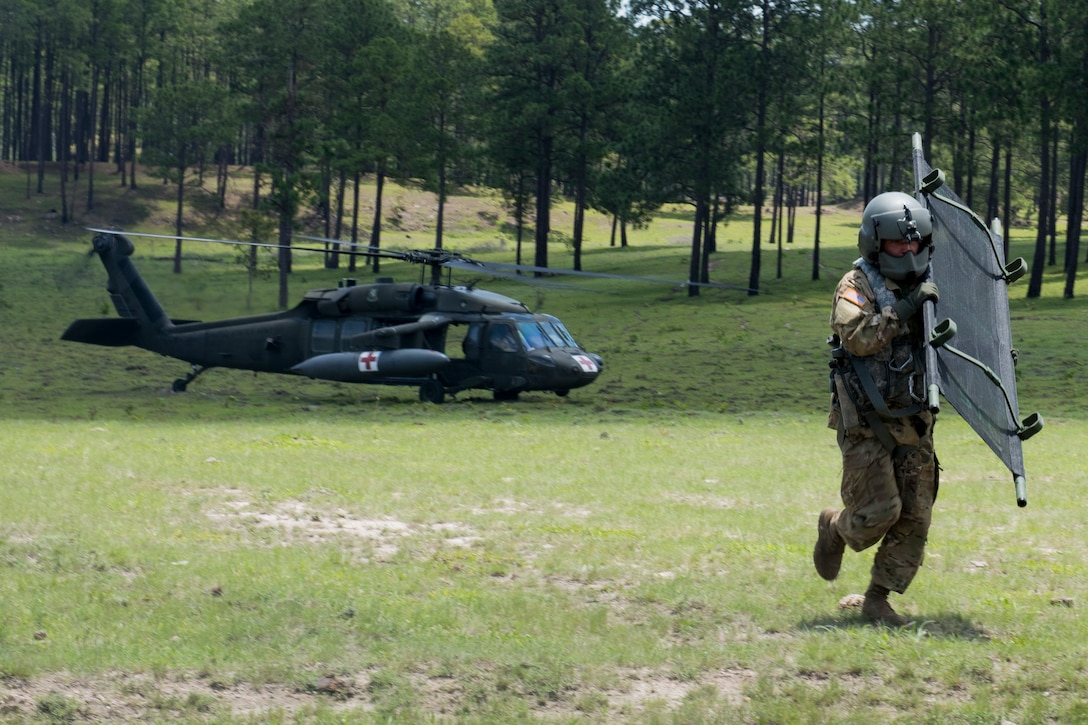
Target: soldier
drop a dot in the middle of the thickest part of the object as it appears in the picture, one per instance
(885, 431)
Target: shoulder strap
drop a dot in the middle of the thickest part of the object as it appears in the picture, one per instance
(884, 296)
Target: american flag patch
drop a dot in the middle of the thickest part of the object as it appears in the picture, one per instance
(852, 295)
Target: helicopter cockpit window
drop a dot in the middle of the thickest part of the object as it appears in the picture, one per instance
(324, 336)
(503, 337)
(350, 329)
(533, 335)
(558, 331)
(542, 331)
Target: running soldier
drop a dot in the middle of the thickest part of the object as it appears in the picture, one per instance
(885, 431)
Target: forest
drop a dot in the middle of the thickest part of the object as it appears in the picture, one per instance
(620, 106)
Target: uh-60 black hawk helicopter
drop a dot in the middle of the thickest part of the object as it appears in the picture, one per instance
(385, 333)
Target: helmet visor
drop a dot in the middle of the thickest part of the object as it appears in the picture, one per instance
(913, 226)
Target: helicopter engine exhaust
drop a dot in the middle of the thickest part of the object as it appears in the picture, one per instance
(372, 365)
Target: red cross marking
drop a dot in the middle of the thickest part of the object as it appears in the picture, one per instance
(587, 363)
(368, 361)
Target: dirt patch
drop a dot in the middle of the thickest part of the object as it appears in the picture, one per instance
(124, 697)
(136, 697)
(643, 686)
(299, 523)
(128, 697)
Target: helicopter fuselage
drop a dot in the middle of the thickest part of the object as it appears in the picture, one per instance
(381, 333)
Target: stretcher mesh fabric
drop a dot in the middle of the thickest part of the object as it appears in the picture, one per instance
(967, 267)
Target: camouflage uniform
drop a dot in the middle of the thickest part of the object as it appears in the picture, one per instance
(887, 494)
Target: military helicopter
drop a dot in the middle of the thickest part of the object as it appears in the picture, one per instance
(385, 333)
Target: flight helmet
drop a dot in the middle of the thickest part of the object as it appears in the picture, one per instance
(895, 215)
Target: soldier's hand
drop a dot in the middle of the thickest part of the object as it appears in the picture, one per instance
(912, 301)
(925, 291)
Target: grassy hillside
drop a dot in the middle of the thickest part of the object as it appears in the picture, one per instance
(266, 548)
(723, 351)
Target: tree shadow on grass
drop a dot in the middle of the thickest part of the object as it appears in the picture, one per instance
(943, 625)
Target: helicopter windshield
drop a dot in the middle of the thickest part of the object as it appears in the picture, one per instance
(558, 330)
(544, 331)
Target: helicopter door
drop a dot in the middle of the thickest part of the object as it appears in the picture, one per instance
(502, 337)
(502, 356)
(471, 345)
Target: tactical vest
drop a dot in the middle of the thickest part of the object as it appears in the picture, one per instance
(887, 384)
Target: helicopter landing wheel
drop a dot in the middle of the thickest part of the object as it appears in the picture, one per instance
(432, 391)
(562, 393)
(181, 384)
(505, 395)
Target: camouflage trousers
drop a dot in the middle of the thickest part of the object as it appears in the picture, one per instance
(889, 499)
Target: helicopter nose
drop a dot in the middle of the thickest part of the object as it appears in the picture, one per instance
(566, 369)
(586, 364)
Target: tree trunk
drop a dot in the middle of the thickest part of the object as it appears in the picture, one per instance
(376, 227)
(1077, 166)
(708, 244)
(441, 159)
(970, 197)
(995, 168)
(63, 144)
(286, 221)
(779, 192)
(543, 199)
(696, 246)
(1035, 285)
(178, 216)
(92, 114)
(761, 148)
(819, 191)
(333, 260)
(353, 258)
(1052, 220)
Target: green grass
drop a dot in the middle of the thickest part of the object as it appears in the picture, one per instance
(527, 561)
(274, 549)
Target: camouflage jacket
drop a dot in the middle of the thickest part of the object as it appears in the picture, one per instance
(889, 348)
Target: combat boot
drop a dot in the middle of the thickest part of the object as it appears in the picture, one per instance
(827, 556)
(877, 609)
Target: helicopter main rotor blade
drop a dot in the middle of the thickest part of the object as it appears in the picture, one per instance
(369, 251)
(481, 268)
(231, 242)
(443, 257)
(124, 233)
(421, 256)
(608, 275)
(457, 260)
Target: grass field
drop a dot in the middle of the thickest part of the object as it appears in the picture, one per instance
(272, 549)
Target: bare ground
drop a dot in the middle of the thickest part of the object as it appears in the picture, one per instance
(125, 697)
(130, 697)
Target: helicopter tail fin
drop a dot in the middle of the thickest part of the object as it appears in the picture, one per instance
(130, 294)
